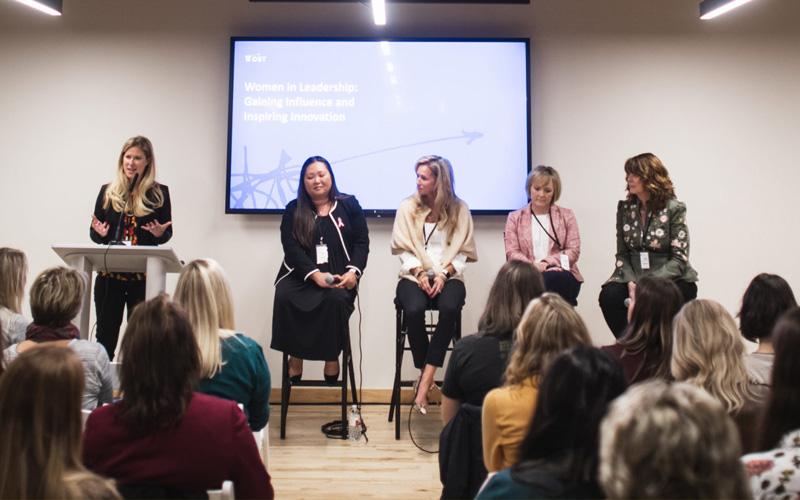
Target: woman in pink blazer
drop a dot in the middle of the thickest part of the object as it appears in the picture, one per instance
(546, 235)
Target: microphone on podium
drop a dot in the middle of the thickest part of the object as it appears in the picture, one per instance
(118, 232)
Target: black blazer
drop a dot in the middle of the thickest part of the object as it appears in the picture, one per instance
(163, 214)
(300, 260)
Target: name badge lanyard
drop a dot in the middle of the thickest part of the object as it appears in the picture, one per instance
(645, 227)
(427, 237)
(554, 236)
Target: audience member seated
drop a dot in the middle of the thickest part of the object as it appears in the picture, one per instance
(764, 301)
(559, 456)
(40, 428)
(56, 297)
(476, 366)
(13, 276)
(645, 348)
(709, 353)
(161, 437)
(776, 473)
(669, 441)
(232, 365)
(478, 361)
(549, 326)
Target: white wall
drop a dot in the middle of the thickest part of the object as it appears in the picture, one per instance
(717, 101)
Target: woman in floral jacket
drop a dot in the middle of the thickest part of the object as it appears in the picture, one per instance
(652, 239)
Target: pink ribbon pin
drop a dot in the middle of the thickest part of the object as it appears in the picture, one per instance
(341, 224)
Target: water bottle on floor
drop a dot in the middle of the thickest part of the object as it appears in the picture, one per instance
(354, 424)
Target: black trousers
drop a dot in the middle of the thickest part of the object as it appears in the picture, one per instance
(612, 303)
(414, 302)
(564, 284)
(111, 296)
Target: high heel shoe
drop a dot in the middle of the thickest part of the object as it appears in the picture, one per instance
(295, 379)
(422, 409)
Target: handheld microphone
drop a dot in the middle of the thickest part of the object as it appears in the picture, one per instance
(118, 232)
(330, 280)
(431, 275)
(627, 302)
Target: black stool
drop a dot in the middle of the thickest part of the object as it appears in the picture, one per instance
(400, 349)
(347, 366)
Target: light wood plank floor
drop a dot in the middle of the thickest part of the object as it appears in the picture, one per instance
(309, 465)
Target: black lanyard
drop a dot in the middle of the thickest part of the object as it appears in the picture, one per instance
(645, 223)
(427, 237)
(555, 239)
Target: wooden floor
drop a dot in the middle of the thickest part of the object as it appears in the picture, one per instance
(309, 465)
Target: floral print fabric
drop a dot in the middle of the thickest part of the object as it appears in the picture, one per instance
(775, 474)
(664, 235)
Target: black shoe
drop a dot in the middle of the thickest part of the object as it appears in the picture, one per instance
(331, 379)
(295, 379)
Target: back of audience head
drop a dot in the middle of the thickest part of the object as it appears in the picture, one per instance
(670, 441)
(782, 411)
(548, 327)
(13, 275)
(767, 297)
(573, 397)
(204, 293)
(516, 284)
(656, 302)
(158, 386)
(40, 426)
(56, 296)
(709, 353)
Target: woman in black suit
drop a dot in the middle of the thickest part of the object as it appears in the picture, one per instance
(146, 220)
(325, 244)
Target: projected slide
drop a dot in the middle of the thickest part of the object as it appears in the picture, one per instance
(372, 108)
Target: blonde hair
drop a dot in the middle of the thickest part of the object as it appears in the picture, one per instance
(57, 295)
(13, 274)
(40, 428)
(708, 353)
(205, 294)
(548, 327)
(670, 441)
(541, 175)
(446, 202)
(147, 196)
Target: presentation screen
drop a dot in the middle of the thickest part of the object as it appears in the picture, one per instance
(372, 108)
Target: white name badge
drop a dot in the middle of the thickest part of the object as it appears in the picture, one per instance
(564, 262)
(644, 258)
(322, 254)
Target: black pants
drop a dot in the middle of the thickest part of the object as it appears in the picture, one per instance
(111, 296)
(414, 302)
(612, 302)
(564, 284)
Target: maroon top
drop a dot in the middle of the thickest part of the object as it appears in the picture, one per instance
(212, 443)
(636, 367)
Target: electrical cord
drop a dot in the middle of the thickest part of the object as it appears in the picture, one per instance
(335, 429)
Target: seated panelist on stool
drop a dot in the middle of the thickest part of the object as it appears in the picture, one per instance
(325, 243)
(546, 235)
(433, 236)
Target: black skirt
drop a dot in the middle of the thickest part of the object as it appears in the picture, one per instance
(310, 322)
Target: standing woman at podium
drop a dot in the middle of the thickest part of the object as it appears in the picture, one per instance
(133, 209)
(432, 235)
(325, 246)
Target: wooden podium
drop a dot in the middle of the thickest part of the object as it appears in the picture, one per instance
(155, 261)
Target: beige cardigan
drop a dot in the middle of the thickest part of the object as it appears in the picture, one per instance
(407, 236)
